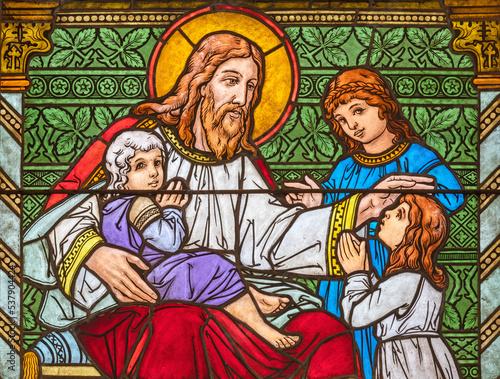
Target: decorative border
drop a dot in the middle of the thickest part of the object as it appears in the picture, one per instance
(384, 158)
(74, 19)
(11, 120)
(158, 18)
(342, 219)
(490, 329)
(83, 245)
(489, 260)
(11, 196)
(9, 262)
(490, 118)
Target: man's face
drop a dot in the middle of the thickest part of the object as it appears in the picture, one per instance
(227, 99)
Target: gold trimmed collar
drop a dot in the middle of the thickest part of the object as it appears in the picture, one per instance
(374, 160)
(183, 150)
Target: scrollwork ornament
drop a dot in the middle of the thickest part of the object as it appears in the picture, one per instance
(18, 41)
(482, 38)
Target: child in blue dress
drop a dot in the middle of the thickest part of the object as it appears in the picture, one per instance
(366, 118)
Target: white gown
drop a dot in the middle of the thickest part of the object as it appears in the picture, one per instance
(406, 310)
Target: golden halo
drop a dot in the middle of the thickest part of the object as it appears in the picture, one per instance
(281, 73)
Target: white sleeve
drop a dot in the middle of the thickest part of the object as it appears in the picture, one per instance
(280, 237)
(364, 303)
(72, 239)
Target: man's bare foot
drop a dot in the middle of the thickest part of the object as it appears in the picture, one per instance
(269, 304)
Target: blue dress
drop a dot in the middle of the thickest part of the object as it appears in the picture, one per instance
(362, 171)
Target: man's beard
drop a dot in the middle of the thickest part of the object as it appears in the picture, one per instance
(223, 133)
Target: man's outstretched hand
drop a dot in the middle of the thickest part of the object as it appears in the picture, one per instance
(113, 266)
(308, 199)
(372, 204)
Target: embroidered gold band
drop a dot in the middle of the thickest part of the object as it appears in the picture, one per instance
(343, 217)
(85, 243)
(194, 156)
(142, 212)
(371, 160)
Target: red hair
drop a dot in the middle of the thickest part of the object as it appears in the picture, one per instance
(367, 85)
(179, 107)
(423, 239)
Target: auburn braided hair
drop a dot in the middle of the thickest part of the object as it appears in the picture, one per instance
(367, 85)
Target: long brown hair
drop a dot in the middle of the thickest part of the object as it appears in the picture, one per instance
(179, 107)
(370, 86)
(423, 239)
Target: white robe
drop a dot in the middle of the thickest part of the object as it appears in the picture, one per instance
(258, 228)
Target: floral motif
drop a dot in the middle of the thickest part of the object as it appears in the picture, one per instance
(83, 86)
(471, 91)
(107, 86)
(405, 86)
(59, 86)
(321, 46)
(306, 86)
(29, 204)
(321, 83)
(38, 86)
(131, 86)
(452, 86)
(428, 86)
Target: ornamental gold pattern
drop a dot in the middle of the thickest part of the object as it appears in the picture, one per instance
(387, 157)
(343, 217)
(83, 245)
(18, 42)
(482, 38)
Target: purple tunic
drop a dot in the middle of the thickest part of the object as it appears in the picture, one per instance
(201, 277)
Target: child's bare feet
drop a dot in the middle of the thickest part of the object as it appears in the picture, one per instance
(275, 338)
(244, 310)
(269, 304)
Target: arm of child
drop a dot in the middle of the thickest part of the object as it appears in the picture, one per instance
(162, 229)
(364, 303)
(166, 233)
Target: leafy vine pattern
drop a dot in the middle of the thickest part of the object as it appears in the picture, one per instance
(102, 47)
(55, 134)
(382, 47)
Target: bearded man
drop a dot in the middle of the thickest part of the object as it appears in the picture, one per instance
(207, 122)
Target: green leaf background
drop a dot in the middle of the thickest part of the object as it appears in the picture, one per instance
(451, 317)
(59, 118)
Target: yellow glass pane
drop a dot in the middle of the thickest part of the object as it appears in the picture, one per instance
(168, 69)
(276, 91)
(249, 27)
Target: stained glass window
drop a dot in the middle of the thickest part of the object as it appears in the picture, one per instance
(249, 189)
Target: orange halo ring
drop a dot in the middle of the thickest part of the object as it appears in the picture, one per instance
(281, 78)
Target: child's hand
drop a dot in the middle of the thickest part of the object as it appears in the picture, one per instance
(173, 199)
(351, 253)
